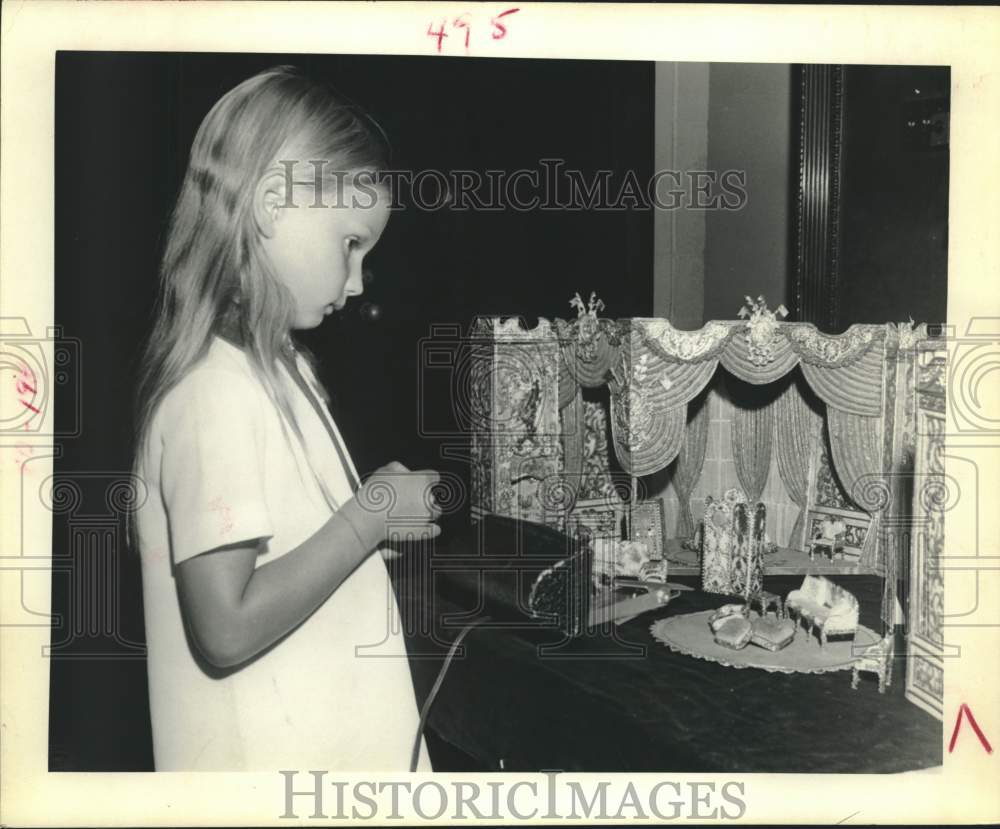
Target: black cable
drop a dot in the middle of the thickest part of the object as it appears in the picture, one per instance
(415, 755)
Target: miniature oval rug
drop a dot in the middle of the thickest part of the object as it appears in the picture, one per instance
(690, 634)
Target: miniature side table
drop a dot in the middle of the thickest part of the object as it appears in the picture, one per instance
(766, 601)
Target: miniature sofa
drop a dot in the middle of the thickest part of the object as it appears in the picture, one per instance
(822, 605)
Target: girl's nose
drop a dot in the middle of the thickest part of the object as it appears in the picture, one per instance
(356, 283)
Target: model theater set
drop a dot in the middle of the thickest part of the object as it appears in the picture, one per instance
(764, 446)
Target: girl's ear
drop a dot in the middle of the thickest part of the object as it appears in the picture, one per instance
(269, 197)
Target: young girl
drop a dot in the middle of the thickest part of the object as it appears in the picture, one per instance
(272, 628)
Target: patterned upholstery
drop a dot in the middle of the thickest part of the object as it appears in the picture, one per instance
(748, 555)
(718, 539)
(733, 546)
(822, 605)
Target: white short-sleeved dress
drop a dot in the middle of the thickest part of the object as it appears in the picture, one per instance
(335, 693)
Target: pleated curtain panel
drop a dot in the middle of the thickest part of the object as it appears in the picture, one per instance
(797, 426)
(690, 462)
(752, 435)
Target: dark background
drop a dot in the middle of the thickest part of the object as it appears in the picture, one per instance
(893, 239)
(124, 124)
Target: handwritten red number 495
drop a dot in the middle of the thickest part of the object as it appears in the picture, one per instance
(463, 21)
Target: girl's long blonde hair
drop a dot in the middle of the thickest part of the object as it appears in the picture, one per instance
(214, 271)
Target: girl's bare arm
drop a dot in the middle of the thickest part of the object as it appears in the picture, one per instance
(235, 610)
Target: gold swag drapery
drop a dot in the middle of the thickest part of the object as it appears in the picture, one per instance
(649, 397)
(660, 369)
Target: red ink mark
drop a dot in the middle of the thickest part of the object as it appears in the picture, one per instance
(440, 34)
(465, 21)
(501, 30)
(964, 709)
(24, 454)
(462, 23)
(25, 384)
(155, 554)
(217, 505)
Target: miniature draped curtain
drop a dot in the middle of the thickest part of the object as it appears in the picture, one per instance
(738, 360)
(654, 370)
(854, 388)
(796, 427)
(752, 430)
(649, 397)
(646, 443)
(690, 462)
(856, 444)
(572, 434)
(660, 369)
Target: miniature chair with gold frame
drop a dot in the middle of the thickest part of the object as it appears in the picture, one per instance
(876, 659)
(829, 540)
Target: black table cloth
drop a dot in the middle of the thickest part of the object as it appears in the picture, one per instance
(526, 698)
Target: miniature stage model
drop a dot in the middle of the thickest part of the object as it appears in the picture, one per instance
(573, 422)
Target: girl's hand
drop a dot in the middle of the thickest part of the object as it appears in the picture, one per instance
(401, 501)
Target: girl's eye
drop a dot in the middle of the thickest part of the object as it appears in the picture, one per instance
(353, 244)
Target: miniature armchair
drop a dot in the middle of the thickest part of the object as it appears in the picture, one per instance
(876, 659)
(829, 539)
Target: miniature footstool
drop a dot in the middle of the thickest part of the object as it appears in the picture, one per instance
(730, 626)
(734, 632)
(773, 634)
